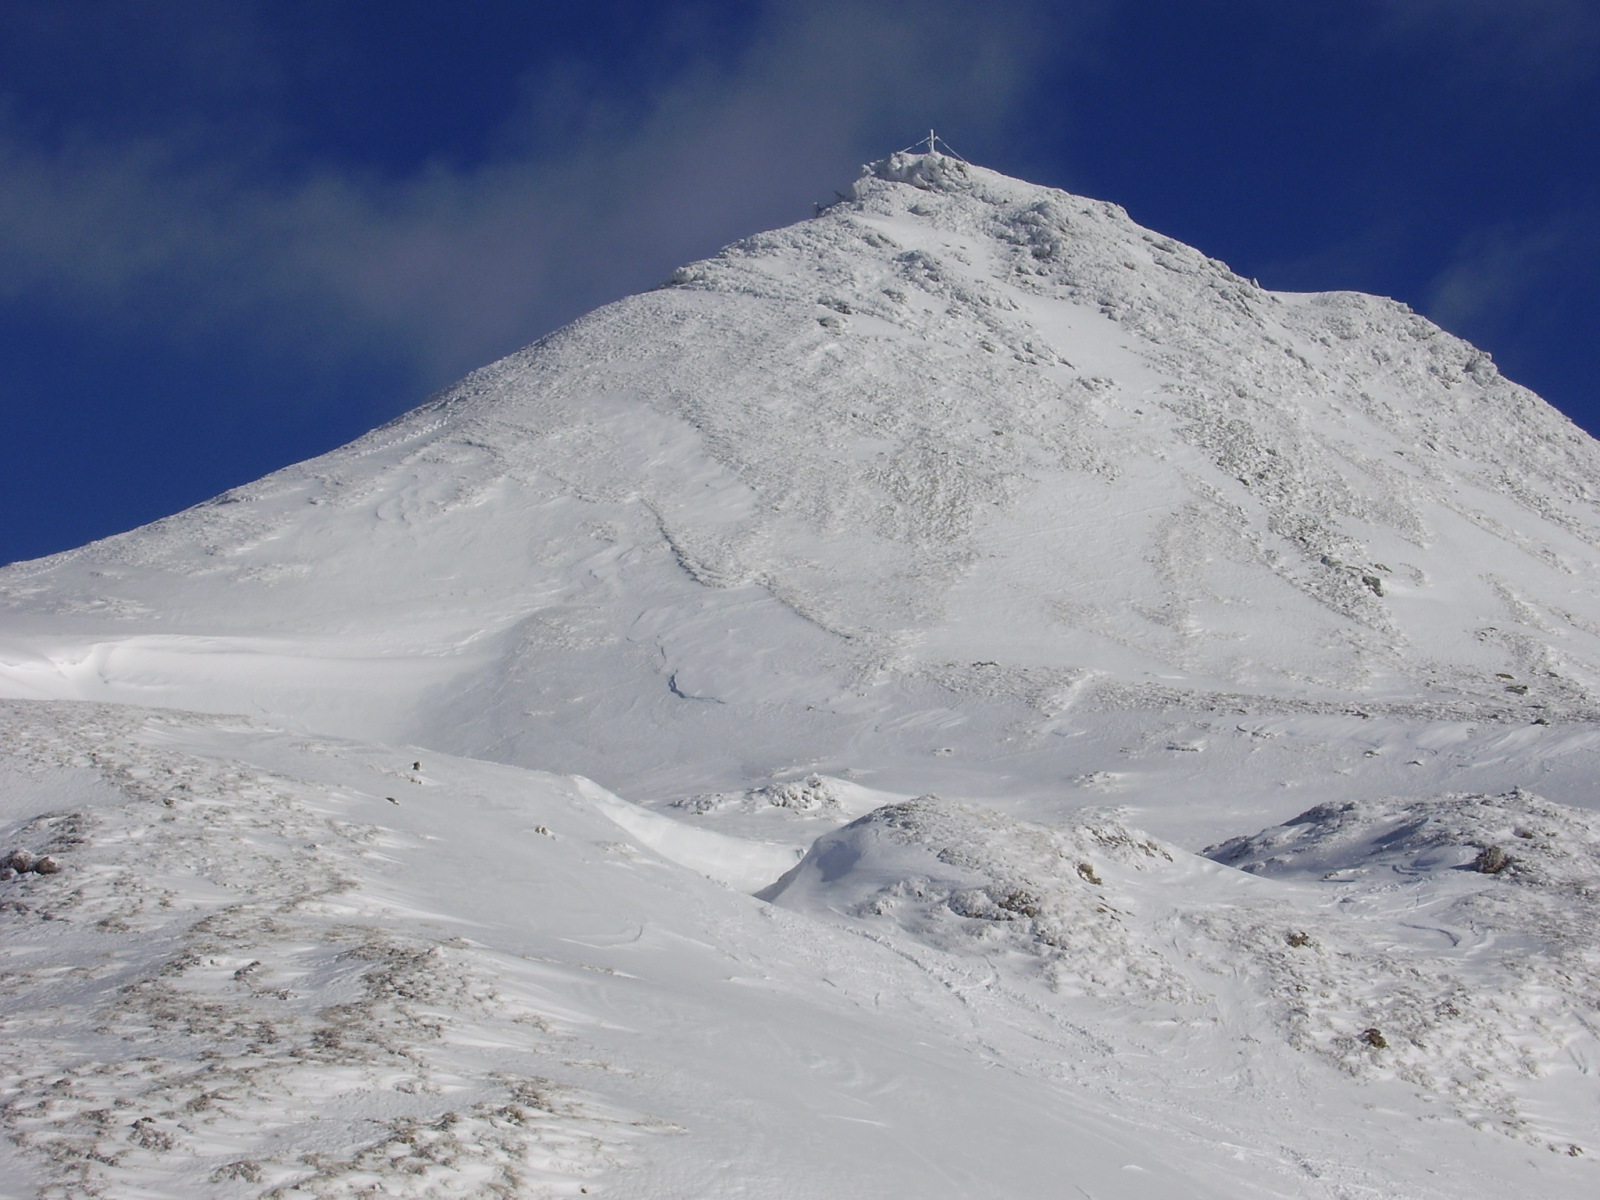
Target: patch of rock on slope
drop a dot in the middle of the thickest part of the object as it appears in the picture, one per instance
(1452, 944)
(202, 1000)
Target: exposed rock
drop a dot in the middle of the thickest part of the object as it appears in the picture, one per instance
(1491, 861)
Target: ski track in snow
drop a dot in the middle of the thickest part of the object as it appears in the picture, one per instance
(966, 488)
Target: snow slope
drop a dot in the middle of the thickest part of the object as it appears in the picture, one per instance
(257, 974)
(1384, 950)
(966, 489)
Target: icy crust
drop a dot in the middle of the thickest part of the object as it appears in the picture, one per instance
(202, 1001)
(1517, 836)
(810, 796)
(931, 172)
(1451, 944)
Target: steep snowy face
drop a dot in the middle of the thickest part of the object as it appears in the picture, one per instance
(1091, 447)
(921, 474)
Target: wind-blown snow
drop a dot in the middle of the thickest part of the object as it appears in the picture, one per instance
(965, 488)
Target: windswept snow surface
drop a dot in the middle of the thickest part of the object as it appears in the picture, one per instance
(922, 587)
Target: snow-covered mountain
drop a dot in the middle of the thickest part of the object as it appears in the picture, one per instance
(961, 451)
(964, 486)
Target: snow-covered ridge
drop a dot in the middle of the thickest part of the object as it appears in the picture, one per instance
(1482, 987)
(1452, 943)
(971, 879)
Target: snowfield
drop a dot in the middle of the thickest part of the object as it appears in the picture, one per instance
(960, 697)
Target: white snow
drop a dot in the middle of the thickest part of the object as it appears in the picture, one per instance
(965, 489)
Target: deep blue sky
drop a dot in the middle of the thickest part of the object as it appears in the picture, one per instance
(236, 234)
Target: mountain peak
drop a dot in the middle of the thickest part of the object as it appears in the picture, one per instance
(933, 172)
(949, 175)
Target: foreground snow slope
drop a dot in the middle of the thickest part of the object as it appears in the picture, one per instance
(931, 472)
(256, 973)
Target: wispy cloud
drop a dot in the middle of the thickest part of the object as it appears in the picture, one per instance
(585, 196)
(1494, 272)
